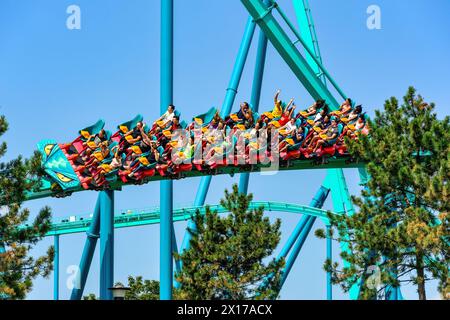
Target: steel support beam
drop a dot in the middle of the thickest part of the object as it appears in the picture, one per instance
(88, 252)
(330, 258)
(316, 202)
(106, 244)
(175, 250)
(308, 33)
(288, 51)
(225, 111)
(297, 247)
(256, 93)
(342, 204)
(166, 187)
(56, 268)
(238, 68)
(2, 251)
(301, 232)
(391, 293)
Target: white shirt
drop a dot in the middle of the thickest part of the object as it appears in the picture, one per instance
(166, 117)
(318, 117)
(290, 126)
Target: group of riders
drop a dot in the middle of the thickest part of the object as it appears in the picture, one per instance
(168, 146)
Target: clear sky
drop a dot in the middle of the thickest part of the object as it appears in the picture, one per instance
(54, 81)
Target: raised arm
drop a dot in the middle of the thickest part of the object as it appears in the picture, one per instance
(275, 99)
(292, 111)
(289, 104)
(91, 137)
(115, 152)
(146, 138)
(283, 127)
(128, 133)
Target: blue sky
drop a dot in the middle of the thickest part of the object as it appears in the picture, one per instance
(54, 81)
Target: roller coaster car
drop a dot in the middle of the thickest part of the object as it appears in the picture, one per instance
(75, 157)
(93, 185)
(166, 126)
(235, 118)
(56, 166)
(254, 153)
(162, 169)
(146, 171)
(326, 151)
(198, 165)
(330, 150)
(198, 161)
(186, 164)
(269, 115)
(290, 155)
(204, 119)
(142, 168)
(306, 152)
(223, 155)
(341, 149)
(176, 169)
(84, 134)
(126, 127)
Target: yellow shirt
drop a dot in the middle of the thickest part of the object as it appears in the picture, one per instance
(277, 110)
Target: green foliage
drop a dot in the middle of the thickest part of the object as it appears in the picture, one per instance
(90, 296)
(142, 289)
(402, 225)
(225, 258)
(17, 268)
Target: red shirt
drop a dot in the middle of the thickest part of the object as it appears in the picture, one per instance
(283, 120)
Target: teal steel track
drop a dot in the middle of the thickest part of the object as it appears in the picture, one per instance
(148, 216)
(331, 163)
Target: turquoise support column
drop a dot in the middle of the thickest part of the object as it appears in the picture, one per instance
(2, 251)
(238, 68)
(88, 252)
(329, 257)
(175, 250)
(225, 111)
(342, 204)
(166, 187)
(293, 237)
(316, 202)
(56, 268)
(391, 293)
(106, 244)
(282, 42)
(308, 32)
(256, 93)
(300, 233)
(297, 248)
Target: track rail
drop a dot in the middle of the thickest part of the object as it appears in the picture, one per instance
(148, 216)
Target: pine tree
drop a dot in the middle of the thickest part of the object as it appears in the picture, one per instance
(402, 225)
(18, 268)
(142, 289)
(225, 258)
(139, 289)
